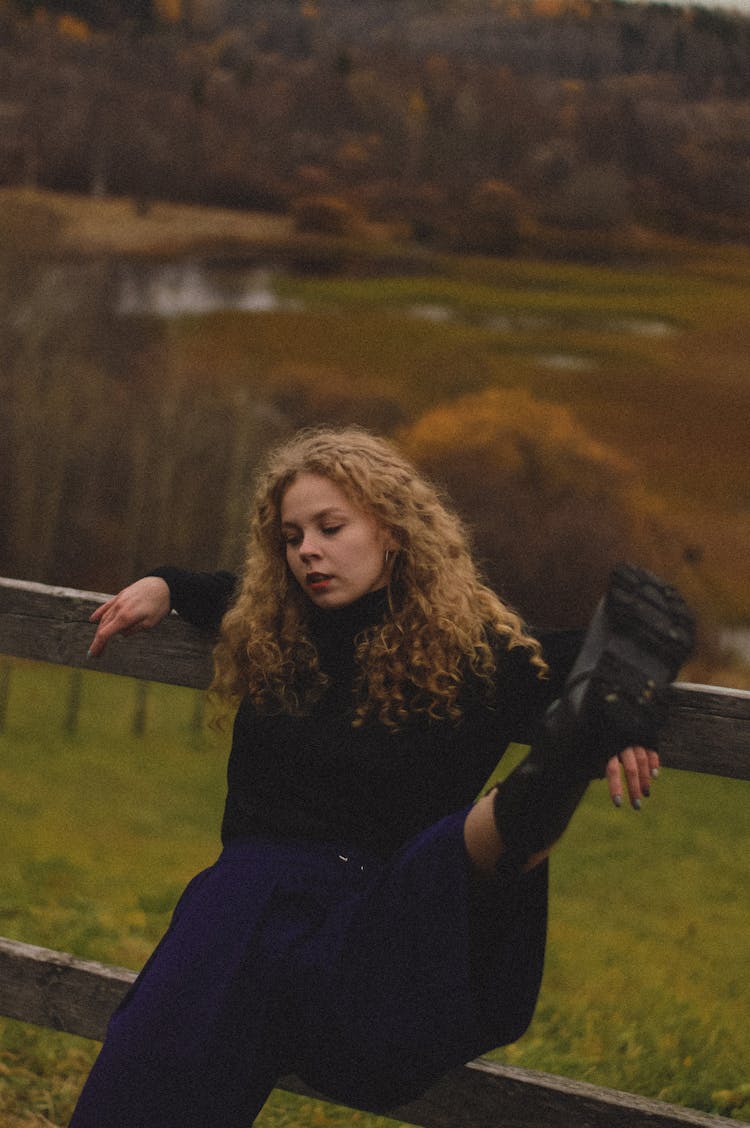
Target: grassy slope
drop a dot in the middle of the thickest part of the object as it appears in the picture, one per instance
(646, 980)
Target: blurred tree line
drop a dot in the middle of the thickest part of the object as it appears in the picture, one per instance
(482, 125)
(127, 443)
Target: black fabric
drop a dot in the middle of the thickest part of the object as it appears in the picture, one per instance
(368, 978)
(200, 597)
(316, 778)
(367, 969)
(533, 808)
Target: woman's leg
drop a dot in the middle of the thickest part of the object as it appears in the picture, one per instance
(195, 1043)
(484, 842)
(639, 637)
(146, 1090)
(422, 969)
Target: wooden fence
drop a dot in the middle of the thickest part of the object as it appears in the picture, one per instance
(708, 731)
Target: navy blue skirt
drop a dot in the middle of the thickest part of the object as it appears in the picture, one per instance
(367, 978)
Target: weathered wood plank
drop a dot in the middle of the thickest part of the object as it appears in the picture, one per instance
(484, 1094)
(56, 990)
(708, 729)
(51, 624)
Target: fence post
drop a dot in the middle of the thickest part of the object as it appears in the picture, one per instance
(199, 709)
(138, 727)
(5, 668)
(75, 693)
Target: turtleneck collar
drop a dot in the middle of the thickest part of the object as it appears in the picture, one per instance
(334, 630)
(343, 623)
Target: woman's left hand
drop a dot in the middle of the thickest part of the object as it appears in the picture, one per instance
(639, 766)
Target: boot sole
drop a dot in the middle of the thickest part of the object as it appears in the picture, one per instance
(648, 632)
(653, 614)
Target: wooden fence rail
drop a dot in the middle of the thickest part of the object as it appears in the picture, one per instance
(708, 731)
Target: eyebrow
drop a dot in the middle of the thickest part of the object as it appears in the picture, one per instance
(321, 515)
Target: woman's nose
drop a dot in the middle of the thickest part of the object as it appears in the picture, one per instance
(308, 548)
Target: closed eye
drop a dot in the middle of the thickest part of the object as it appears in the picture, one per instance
(330, 530)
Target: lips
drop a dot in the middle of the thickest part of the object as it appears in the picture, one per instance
(315, 579)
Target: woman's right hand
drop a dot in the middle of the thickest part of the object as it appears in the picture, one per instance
(136, 608)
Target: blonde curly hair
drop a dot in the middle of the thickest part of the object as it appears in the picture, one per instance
(441, 617)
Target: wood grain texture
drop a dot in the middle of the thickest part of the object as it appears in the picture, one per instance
(56, 990)
(485, 1094)
(51, 624)
(708, 730)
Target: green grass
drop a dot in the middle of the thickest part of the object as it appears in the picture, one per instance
(646, 984)
(648, 965)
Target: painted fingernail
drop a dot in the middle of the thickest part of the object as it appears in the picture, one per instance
(646, 791)
(617, 800)
(654, 773)
(89, 654)
(636, 804)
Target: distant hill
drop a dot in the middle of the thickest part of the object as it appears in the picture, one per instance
(601, 36)
(476, 126)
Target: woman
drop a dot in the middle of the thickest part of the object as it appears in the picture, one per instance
(368, 925)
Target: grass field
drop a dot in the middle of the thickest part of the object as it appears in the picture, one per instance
(646, 983)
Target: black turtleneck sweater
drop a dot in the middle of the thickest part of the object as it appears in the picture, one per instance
(316, 778)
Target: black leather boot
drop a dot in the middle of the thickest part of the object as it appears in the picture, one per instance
(639, 636)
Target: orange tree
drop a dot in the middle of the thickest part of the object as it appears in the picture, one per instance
(551, 509)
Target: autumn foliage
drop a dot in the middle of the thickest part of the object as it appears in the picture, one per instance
(489, 126)
(545, 501)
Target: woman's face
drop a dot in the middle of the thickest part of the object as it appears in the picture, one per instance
(335, 550)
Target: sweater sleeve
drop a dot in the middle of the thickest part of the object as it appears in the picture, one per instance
(200, 597)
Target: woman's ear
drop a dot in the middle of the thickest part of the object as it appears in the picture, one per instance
(392, 544)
